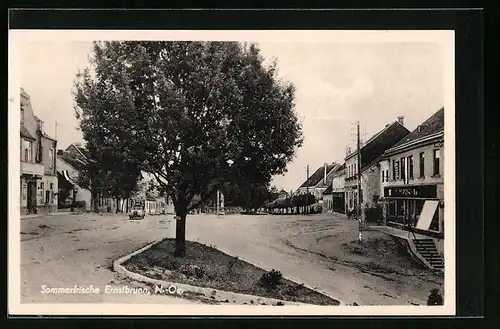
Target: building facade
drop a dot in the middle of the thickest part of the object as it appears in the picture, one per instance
(371, 152)
(338, 190)
(412, 180)
(69, 189)
(38, 176)
(318, 183)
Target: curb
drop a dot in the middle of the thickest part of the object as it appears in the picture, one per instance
(207, 292)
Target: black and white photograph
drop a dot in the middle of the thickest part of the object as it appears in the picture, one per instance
(231, 172)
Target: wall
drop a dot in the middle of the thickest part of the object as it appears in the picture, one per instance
(370, 185)
(48, 162)
(428, 163)
(338, 183)
(328, 203)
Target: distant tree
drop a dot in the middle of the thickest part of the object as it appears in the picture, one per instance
(194, 114)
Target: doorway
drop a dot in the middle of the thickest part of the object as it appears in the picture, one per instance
(31, 197)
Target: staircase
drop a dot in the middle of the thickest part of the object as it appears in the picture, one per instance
(427, 249)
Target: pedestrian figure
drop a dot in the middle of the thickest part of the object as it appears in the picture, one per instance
(435, 298)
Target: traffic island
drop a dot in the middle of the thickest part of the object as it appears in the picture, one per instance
(211, 276)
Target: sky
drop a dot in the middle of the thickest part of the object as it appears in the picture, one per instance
(336, 84)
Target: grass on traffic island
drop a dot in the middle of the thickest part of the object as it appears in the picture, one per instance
(204, 266)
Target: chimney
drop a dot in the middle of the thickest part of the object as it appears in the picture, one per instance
(401, 120)
(324, 176)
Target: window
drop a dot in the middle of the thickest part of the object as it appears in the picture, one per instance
(22, 115)
(27, 145)
(410, 167)
(403, 169)
(422, 164)
(395, 169)
(387, 175)
(47, 197)
(51, 158)
(436, 162)
(383, 175)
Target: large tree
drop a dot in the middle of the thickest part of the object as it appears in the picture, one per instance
(194, 114)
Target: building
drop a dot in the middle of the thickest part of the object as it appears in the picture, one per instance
(38, 176)
(70, 192)
(164, 205)
(72, 161)
(318, 183)
(333, 196)
(338, 190)
(412, 180)
(371, 152)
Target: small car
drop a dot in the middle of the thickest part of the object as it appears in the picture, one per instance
(137, 213)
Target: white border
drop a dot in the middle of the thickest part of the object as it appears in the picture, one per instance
(445, 38)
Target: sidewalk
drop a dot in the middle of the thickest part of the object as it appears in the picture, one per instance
(43, 215)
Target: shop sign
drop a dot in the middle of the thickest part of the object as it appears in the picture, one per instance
(422, 191)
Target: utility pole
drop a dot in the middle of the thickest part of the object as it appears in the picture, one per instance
(307, 189)
(360, 221)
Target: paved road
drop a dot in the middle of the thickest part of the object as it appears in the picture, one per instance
(61, 251)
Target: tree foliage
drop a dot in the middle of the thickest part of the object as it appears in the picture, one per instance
(194, 114)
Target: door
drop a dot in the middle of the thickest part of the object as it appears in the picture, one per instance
(31, 199)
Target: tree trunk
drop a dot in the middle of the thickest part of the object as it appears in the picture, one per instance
(128, 201)
(180, 234)
(117, 205)
(96, 202)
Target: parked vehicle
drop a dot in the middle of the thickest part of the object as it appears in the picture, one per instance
(137, 211)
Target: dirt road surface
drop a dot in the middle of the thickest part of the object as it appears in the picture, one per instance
(63, 251)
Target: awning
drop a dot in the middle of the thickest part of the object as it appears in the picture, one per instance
(428, 211)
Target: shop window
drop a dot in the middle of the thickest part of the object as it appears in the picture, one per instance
(422, 164)
(436, 159)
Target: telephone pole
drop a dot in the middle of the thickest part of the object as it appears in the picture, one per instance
(360, 221)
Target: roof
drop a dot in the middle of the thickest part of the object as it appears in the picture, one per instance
(328, 190)
(317, 176)
(380, 142)
(75, 163)
(431, 126)
(82, 150)
(26, 133)
(329, 177)
(339, 171)
(48, 137)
